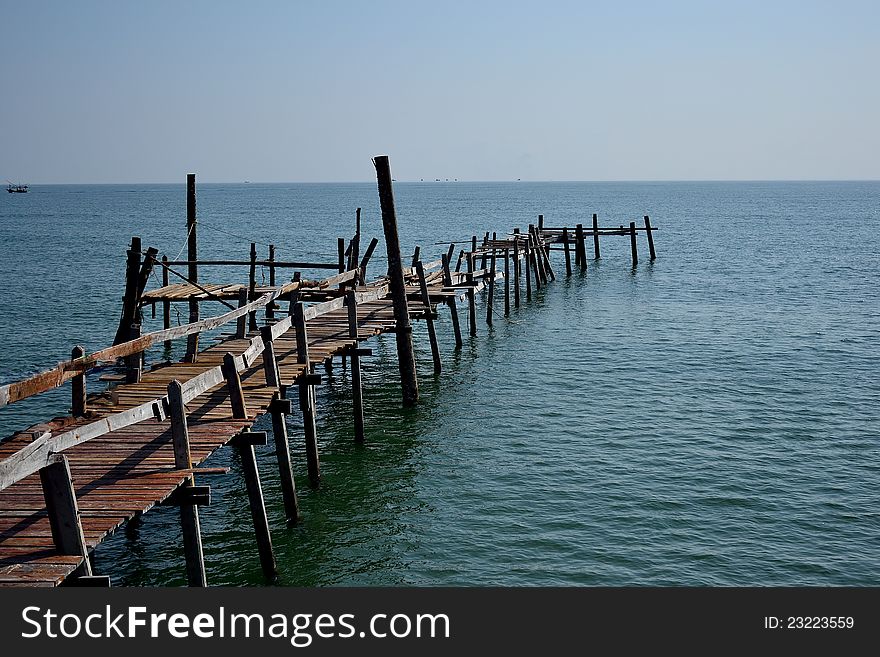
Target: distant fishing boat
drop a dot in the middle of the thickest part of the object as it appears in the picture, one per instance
(16, 189)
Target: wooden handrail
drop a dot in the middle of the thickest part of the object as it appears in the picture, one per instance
(64, 371)
(38, 454)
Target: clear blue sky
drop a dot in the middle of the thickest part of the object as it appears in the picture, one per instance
(124, 91)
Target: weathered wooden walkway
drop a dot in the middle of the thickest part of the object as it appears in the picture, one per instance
(67, 484)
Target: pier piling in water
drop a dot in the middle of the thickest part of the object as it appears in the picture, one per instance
(403, 333)
(192, 254)
(650, 237)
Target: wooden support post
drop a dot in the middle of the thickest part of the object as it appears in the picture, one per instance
(189, 513)
(449, 253)
(415, 257)
(471, 295)
(491, 297)
(533, 249)
(485, 254)
(241, 322)
(356, 383)
(258, 507)
(516, 271)
(397, 287)
(545, 258)
(580, 248)
(459, 261)
(527, 259)
(356, 248)
(166, 305)
(233, 385)
(278, 409)
(632, 241)
(452, 302)
(192, 256)
(270, 307)
(537, 251)
(270, 363)
(340, 253)
(64, 517)
(129, 303)
(567, 252)
(648, 230)
(271, 266)
(540, 234)
(135, 361)
(306, 395)
(596, 236)
(252, 288)
(429, 320)
(507, 282)
(366, 259)
(78, 386)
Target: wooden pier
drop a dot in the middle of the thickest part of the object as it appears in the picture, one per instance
(68, 483)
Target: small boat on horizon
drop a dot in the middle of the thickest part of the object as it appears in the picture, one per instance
(16, 189)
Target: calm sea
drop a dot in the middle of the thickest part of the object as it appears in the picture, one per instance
(712, 418)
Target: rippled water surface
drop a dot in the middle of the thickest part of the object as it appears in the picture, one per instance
(710, 418)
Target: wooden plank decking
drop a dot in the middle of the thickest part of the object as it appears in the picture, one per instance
(128, 471)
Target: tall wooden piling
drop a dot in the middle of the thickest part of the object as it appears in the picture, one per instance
(279, 409)
(78, 386)
(357, 389)
(245, 442)
(307, 395)
(453, 306)
(580, 247)
(397, 287)
(340, 254)
(596, 236)
(189, 513)
(632, 241)
(192, 253)
(650, 237)
(429, 320)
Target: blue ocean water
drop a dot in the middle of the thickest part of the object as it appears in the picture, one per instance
(710, 418)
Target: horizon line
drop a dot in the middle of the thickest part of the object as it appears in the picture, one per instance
(450, 180)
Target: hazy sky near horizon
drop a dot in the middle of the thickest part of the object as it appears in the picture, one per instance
(309, 91)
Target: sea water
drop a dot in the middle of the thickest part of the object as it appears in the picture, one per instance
(709, 418)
